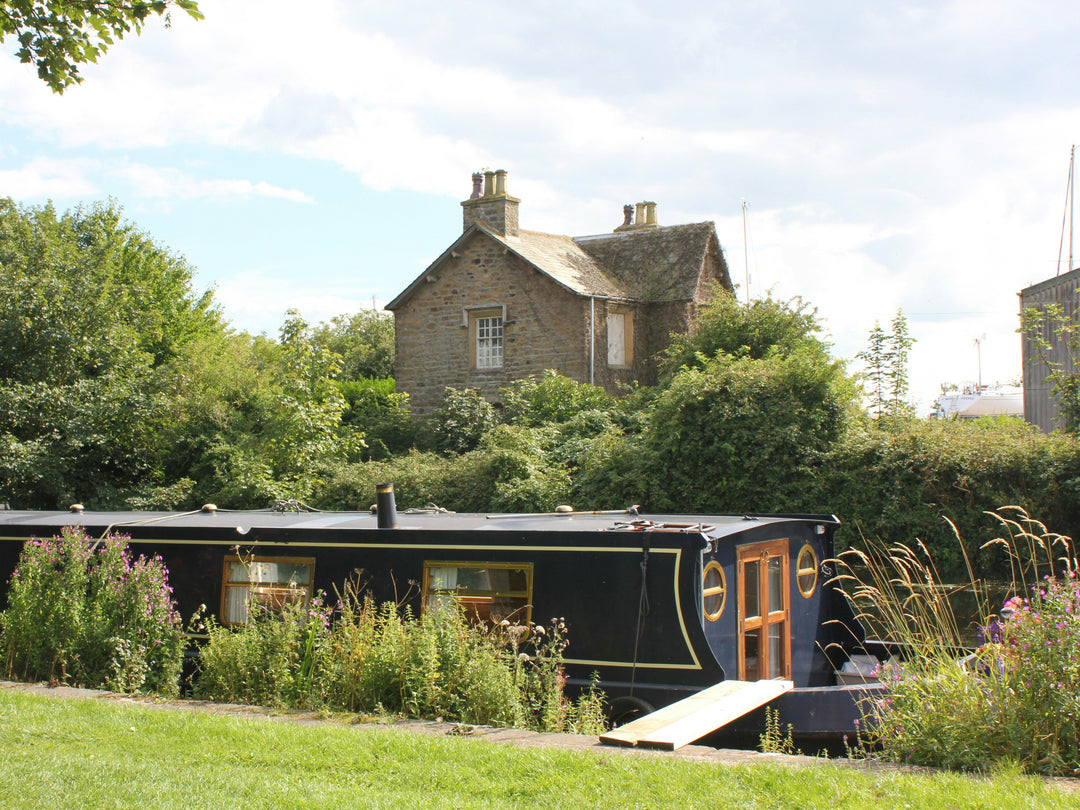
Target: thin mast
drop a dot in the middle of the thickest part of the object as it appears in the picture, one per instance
(1067, 214)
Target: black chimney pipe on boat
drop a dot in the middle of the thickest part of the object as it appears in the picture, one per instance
(385, 509)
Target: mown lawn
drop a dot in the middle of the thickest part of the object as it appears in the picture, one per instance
(87, 753)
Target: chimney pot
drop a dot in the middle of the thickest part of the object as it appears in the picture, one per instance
(491, 208)
(650, 213)
(639, 213)
(628, 215)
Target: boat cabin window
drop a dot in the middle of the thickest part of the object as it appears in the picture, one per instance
(764, 613)
(806, 568)
(268, 582)
(488, 592)
(713, 591)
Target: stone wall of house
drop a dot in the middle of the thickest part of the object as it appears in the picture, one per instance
(545, 328)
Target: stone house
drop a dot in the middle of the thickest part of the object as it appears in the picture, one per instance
(502, 304)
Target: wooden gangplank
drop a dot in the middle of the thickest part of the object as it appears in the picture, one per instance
(692, 718)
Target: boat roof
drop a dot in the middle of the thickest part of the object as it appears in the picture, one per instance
(407, 520)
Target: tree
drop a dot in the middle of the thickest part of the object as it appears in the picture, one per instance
(724, 326)
(886, 357)
(876, 357)
(365, 342)
(273, 439)
(59, 35)
(896, 373)
(92, 316)
(744, 435)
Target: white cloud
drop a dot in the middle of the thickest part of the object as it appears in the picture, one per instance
(257, 300)
(173, 183)
(49, 178)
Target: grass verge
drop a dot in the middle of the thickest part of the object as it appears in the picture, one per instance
(87, 753)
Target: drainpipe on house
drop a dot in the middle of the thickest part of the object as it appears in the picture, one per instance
(592, 340)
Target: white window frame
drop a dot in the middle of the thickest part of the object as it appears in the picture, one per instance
(487, 336)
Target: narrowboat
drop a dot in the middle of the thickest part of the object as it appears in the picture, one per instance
(659, 607)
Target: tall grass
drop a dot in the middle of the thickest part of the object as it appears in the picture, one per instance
(373, 658)
(1013, 700)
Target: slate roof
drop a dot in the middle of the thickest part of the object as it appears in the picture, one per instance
(650, 264)
(563, 260)
(654, 264)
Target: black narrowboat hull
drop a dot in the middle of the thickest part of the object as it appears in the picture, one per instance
(657, 606)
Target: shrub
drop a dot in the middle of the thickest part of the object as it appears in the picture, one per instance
(272, 660)
(89, 614)
(383, 659)
(1016, 699)
(511, 470)
(913, 478)
(462, 420)
(551, 398)
(380, 658)
(743, 434)
(382, 414)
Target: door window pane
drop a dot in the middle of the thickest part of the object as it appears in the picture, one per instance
(752, 653)
(751, 587)
(776, 585)
(776, 651)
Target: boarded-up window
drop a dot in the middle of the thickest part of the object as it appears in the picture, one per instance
(620, 338)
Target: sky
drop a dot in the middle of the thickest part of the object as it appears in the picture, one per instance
(906, 156)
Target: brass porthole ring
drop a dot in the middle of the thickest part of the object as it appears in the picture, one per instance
(806, 571)
(713, 590)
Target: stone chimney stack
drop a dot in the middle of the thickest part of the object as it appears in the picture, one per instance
(643, 214)
(493, 209)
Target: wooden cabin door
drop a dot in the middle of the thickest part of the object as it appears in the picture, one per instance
(764, 611)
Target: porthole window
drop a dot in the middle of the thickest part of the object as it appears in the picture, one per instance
(806, 571)
(713, 591)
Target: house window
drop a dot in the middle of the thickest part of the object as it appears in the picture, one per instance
(269, 582)
(620, 338)
(486, 337)
(488, 592)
